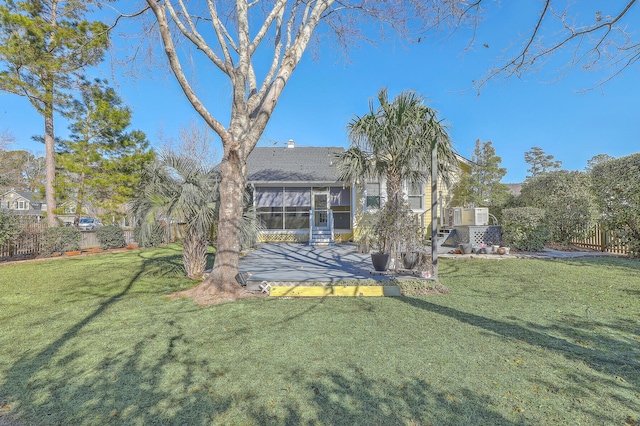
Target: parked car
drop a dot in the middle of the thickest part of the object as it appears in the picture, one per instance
(88, 224)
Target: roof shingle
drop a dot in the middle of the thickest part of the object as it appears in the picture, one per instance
(299, 164)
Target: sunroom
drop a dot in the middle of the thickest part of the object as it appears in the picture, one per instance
(297, 194)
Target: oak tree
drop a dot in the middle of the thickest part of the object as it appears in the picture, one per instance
(257, 46)
(21, 170)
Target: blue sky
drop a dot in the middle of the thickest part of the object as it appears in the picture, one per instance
(324, 94)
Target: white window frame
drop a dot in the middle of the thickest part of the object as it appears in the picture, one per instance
(420, 195)
(366, 196)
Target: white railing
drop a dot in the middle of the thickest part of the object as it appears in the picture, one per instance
(330, 223)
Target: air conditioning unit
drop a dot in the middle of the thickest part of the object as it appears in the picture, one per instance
(478, 216)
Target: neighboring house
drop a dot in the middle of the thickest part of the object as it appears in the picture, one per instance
(514, 188)
(298, 196)
(23, 203)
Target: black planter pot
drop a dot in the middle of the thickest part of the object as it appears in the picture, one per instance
(380, 261)
(410, 260)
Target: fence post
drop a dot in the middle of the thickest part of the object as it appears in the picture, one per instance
(602, 236)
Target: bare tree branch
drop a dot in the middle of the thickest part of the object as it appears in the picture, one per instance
(603, 43)
(174, 61)
(192, 35)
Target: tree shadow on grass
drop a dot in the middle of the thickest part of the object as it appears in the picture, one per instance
(160, 378)
(63, 402)
(622, 362)
(357, 399)
(125, 387)
(622, 263)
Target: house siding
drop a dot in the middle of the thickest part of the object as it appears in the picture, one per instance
(364, 217)
(22, 203)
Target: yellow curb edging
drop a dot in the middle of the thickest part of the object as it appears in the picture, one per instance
(331, 291)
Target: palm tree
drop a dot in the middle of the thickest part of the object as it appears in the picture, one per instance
(399, 141)
(173, 189)
(394, 141)
(177, 188)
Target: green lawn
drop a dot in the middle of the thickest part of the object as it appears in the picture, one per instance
(93, 340)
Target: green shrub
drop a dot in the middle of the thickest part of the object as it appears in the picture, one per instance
(10, 228)
(110, 237)
(60, 239)
(616, 186)
(567, 201)
(523, 228)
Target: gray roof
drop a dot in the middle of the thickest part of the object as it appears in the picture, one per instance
(299, 164)
(514, 188)
(32, 197)
(35, 203)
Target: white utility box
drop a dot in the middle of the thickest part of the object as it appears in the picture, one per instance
(478, 216)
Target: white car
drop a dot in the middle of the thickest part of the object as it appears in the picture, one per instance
(88, 224)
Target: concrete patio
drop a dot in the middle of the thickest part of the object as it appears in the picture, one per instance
(297, 262)
(301, 262)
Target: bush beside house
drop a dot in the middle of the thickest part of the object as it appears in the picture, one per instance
(616, 186)
(10, 227)
(524, 228)
(567, 201)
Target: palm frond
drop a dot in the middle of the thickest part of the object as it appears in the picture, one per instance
(394, 140)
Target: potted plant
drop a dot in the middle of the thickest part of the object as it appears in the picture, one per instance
(410, 238)
(395, 227)
(382, 233)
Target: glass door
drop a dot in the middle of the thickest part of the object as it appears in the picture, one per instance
(321, 210)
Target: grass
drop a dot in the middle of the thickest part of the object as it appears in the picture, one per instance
(93, 340)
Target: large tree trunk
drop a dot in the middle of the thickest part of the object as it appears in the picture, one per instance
(50, 161)
(233, 176)
(194, 254)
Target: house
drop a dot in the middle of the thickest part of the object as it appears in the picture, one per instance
(298, 195)
(23, 203)
(514, 188)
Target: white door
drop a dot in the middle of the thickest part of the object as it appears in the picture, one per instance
(321, 210)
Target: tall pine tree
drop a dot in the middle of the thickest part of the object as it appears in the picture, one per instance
(482, 186)
(101, 161)
(540, 162)
(44, 45)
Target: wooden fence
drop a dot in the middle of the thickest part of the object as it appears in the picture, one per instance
(90, 240)
(29, 244)
(26, 246)
(602, 240)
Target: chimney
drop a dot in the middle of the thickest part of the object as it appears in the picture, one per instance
(291, 144)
